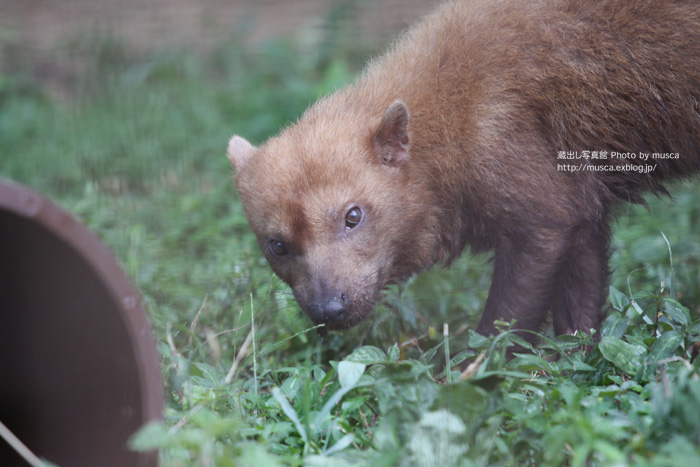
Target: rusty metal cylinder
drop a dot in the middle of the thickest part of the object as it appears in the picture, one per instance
(79, 372)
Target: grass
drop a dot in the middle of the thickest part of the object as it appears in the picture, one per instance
(136, 151)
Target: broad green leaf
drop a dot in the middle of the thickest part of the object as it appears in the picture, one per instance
(676, 311)
(461, 357)
(319, 374)
(341, 444)
(627, 357)
(151, 436)
(394, 353)
(436, 439)
(367, 355)
(477, 341)
(530, 362)
(614, 325)
(349, 373)
(574, 364)
(564, 342)
(665, 346)
(570, 393)
(213, 423)
(618, 300)
(255, 454)
(430, 353)
(290, 387)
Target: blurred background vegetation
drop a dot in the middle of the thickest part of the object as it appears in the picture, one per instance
(128, 131)
(121, 112)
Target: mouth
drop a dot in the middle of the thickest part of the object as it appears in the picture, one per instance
(340, 307)
(345, 319)
(338, 314)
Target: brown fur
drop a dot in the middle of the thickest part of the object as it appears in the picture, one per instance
(493, 90)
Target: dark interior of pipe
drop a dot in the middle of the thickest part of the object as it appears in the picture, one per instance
(69, 377)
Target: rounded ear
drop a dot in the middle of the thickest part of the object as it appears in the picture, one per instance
(239, 151)
(391, 142)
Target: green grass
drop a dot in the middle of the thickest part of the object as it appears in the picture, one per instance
(137, 152)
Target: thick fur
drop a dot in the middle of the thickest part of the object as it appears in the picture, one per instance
(452, 139)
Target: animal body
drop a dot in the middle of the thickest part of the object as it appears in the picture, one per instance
(506, 126)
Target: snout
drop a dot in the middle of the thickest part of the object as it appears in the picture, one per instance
(335, 303)
(332, 310)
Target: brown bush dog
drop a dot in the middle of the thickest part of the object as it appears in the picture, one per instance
(453, 138)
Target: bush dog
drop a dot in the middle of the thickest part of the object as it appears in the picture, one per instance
(508, 126)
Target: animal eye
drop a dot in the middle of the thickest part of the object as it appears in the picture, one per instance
(353, 217)
(278, 248)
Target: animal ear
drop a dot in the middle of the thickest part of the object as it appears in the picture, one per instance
(391, 142)
(239, 151)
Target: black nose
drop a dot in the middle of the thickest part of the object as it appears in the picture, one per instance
(333, 310)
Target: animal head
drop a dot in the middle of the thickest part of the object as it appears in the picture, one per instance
(335, 208)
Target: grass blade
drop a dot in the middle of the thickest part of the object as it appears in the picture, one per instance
(670, 256)
(290, 413)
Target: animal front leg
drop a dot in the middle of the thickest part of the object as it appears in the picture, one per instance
(523, 281)
(582, 280)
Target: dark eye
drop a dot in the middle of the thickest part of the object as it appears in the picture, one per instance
(278, 248)
(353, 217)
